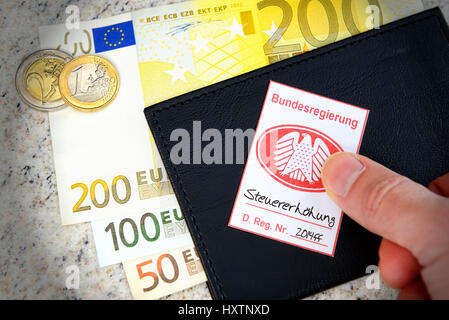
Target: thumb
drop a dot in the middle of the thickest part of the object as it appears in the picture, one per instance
(389, 204)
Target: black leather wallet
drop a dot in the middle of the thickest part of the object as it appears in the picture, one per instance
(399, 72)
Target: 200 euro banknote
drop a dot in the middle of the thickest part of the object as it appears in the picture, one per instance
(104, 162)
(193, 44)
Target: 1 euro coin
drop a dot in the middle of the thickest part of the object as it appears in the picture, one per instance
(89, 83)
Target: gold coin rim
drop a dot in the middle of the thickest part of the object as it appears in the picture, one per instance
(21, 89)
(27, 72)
(83, 105)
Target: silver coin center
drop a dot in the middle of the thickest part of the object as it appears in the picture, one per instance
(89, 82)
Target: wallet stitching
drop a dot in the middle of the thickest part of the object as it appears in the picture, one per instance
(222, 87)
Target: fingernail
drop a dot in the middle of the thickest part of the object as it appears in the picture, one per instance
(340, 172)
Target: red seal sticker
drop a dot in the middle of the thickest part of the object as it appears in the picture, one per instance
(294, 155)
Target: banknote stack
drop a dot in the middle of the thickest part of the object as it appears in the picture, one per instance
(109, 172)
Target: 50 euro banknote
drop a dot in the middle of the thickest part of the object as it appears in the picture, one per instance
(163, 273)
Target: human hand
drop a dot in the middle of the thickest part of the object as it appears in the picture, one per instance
(413, 221)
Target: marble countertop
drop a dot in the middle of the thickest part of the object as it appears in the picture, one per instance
(35, 250)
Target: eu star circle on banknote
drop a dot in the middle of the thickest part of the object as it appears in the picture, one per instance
(37, 79)
(89, 83)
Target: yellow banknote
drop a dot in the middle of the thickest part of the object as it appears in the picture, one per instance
(164, 273)
(193, 44)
